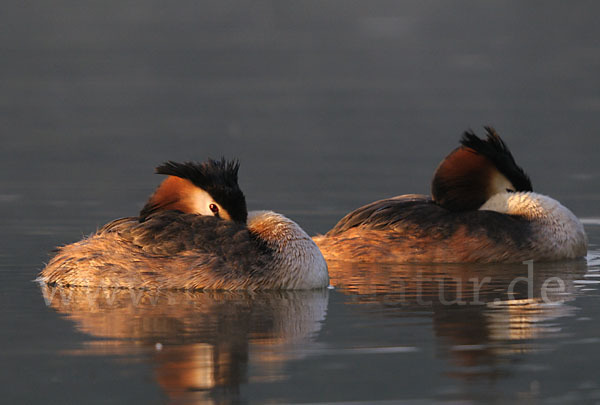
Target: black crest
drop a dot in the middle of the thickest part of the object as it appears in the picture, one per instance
(219, 178)
(496, 150)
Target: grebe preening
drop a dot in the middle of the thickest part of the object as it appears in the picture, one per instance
(482, 209)
(194, 233)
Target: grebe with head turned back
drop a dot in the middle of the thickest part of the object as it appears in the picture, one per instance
(482, 209)
(194, 233)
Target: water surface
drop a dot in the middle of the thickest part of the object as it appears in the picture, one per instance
(328, 105)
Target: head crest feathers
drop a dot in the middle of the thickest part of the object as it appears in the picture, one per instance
(464, 180)
(210, 174)
(219, 178)
(494, 148)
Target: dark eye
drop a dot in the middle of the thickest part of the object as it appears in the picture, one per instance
(214, 209)
(510, 190)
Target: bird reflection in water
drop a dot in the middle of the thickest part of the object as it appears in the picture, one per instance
(200, 343)
(481, 314)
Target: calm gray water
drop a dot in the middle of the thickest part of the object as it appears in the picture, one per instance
(328, 105)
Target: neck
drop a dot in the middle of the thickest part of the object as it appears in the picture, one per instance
(298, 258)
(555, 224)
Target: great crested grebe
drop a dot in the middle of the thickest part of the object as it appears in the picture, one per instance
(482, 209)
(194, 233)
